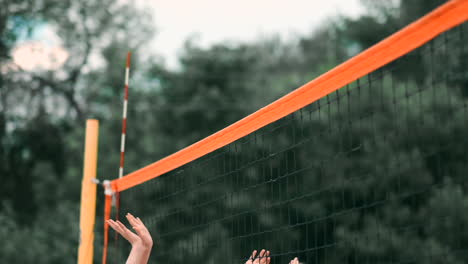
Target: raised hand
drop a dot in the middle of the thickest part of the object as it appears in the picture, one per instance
(141, 230)
(141, 241)
(142, 235)
(262, 258)
(124, 231)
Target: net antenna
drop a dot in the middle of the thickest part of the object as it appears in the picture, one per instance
(124, 133)
(124, 117)
(113, 198)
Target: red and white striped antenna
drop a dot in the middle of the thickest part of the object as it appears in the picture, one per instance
(122, 139)
(124, 117)
(124, 131)
(115, 200)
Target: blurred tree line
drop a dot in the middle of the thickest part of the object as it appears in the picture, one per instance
(42, 117)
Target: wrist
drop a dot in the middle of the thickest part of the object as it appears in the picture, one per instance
(142, 246)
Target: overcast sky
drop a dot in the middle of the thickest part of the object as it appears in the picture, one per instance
(239, 20)
(210, 21)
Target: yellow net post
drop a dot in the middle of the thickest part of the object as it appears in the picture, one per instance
(88, 194)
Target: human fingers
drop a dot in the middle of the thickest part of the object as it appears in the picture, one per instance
(131, 219)
(259, 258)
(140, 231)
(129, 235)
(142, 225)
(262, 253)
(115, 226)
(121, 225)
(119, 229)
(131, 216)
(264, 258)
(251, 258)
(138, 226)
(139, 220)
(254, 253)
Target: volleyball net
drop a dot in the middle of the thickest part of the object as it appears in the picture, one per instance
(365, 164)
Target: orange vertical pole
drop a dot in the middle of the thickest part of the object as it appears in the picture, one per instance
(107, 212)
(88, 194)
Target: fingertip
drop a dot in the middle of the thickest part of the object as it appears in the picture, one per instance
(253, 254)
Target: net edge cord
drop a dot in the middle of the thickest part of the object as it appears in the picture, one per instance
(414, 35)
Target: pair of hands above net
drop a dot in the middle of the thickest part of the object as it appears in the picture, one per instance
(142, 243)
(264, 258)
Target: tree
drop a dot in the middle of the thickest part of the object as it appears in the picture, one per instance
(42, 116)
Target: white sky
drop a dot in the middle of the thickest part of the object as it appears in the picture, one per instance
(239, 20)
(210, 21)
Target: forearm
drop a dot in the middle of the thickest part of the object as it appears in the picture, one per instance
(144, 254)
(133, 256)
(139, 255)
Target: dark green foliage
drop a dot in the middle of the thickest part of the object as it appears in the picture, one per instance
(372, 173)
(42, 116)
